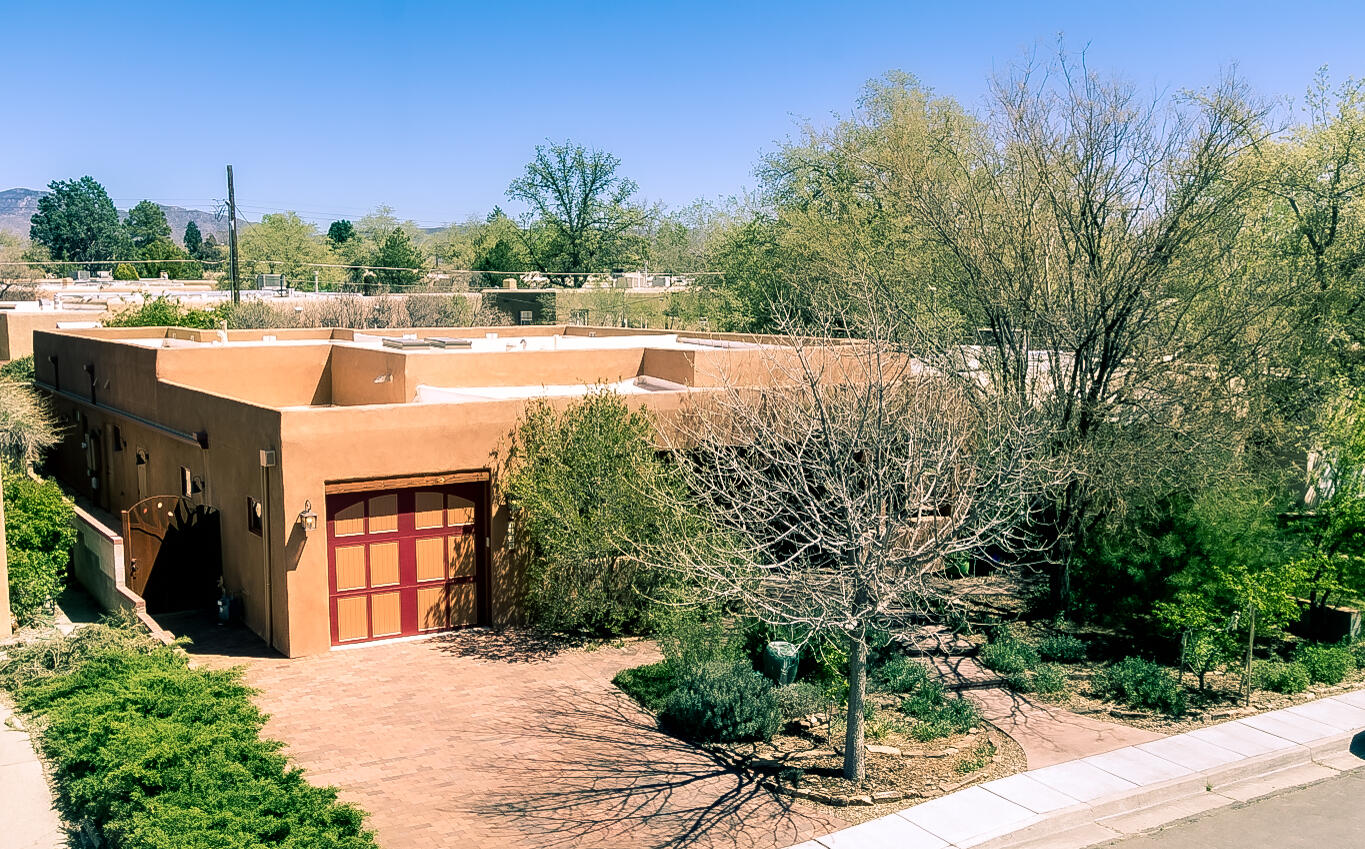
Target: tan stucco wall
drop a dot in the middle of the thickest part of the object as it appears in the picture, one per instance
(17, 327)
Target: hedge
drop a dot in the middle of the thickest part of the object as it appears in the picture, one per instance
(156, 755)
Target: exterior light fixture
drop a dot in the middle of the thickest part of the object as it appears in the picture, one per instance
(308, 518)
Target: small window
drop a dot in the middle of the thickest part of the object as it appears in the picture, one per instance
(255, 516)
(525, 316)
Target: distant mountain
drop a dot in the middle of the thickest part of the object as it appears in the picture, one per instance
(18, 205)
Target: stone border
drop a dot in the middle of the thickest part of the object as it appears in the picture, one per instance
(1130, 789)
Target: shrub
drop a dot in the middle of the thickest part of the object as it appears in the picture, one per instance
(1143, 685)
(576, 474)
(1326, 664)
(18, 370)
(722, 703)
(157, 755)
(900, 674)
(795, 701)
(1062, 648)
(938, 715)
(39, 534)
(1357, 650)
(1008, 657)
(650, 685)
(1279, 677)
(124, 271)
(1050, 680)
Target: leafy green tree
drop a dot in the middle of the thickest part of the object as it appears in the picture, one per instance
(77, 222)
(163, 255)
(125, 272)
(581, 215)
(282, 243)
(398, 264)
(194, 240)
(340, 232)
(146, 223)
(39, 536)
(574, 476)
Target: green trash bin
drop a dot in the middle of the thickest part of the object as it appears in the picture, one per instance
(779, 662)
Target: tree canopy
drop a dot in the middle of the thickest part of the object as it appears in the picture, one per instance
(77, 222)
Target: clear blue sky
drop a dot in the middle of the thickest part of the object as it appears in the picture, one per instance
(333, 108)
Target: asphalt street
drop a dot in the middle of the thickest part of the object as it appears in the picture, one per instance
(1326, 815)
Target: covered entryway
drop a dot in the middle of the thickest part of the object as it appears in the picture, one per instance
(405, 561)
(174, 553)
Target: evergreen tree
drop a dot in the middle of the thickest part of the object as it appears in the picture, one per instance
(194, 241)
(77, 222)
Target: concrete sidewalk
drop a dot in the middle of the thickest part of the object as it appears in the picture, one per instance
(27, 820)
(1131, 789)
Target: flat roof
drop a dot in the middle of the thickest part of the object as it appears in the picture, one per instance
(432, 342)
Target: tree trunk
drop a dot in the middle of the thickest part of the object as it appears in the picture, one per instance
(855, 754)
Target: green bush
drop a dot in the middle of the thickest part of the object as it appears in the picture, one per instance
(18, 370)
(650, 685)
(722, 703)
(1143, 685)
(1008, 657)
(801, 699)
(40, 535)
(1050, 680)
(124, 271)
(1326, 664)
(158, 756)
(900, 674)
(1279, 677)
(576, 474)
(1062, 648)
(938, 715)
(1357, 650)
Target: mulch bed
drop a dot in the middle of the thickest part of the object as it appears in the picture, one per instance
(805, 764)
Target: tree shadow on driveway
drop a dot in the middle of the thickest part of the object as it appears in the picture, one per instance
(603, 775)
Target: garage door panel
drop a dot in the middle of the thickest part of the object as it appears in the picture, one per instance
(462, 603)
(459, 511)
(350, 567)
(429, 510)
(383, 510)
(463, 560)
(431, 558)
(352, 615)
(433, 608)
(349, 520)
(386, 614)
(384, 564)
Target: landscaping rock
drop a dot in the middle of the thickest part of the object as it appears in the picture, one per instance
(883, 750)
(888, 796)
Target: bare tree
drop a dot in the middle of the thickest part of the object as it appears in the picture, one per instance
(840, 484)
(1089, 234)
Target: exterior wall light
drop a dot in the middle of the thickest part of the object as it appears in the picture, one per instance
(308, 518)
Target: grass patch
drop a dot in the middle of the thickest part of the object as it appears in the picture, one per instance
(159, 756)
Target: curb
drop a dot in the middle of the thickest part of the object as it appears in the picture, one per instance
(1132, 789)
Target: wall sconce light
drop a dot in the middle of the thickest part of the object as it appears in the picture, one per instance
(308, 518)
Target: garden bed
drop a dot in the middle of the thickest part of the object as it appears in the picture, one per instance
(921, 743)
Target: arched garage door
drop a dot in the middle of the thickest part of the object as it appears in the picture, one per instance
(403, 562)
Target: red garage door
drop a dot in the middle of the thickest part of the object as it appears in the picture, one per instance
(403, 561)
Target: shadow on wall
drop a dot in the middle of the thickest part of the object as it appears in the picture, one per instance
(598, 773)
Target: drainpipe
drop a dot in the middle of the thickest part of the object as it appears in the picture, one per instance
(267, 462)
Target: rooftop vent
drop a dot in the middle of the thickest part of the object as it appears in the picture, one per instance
(403, 343)
(449, 342)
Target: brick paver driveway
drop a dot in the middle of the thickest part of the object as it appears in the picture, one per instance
(482, 740)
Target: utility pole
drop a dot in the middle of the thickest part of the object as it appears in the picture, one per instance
(232, 240)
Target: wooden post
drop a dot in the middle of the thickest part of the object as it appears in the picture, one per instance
(1251, 647)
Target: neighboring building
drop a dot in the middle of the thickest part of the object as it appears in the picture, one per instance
(340, 483)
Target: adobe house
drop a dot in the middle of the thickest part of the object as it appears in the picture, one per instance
(339, 483)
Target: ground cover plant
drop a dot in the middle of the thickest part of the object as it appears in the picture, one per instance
(155, 755)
